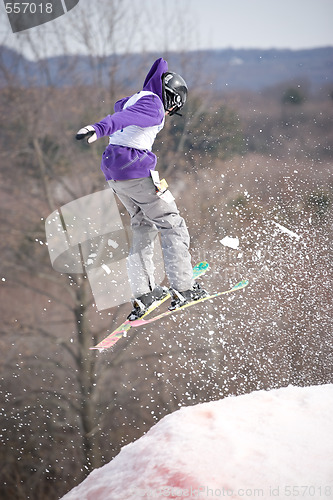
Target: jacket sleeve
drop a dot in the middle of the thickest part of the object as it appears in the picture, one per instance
(118, 106)
(146, 112)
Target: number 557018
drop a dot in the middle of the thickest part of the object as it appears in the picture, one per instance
(27, 7)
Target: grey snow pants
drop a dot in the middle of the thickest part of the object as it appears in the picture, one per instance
(150, 215)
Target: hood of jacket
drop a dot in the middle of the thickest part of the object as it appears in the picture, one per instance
(153, 81)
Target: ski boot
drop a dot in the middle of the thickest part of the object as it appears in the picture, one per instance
(179, 299)
(141, 304)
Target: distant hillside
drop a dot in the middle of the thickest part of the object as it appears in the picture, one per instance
(257, 69)
(231, 69)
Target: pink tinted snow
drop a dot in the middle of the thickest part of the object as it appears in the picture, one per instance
(266, 444)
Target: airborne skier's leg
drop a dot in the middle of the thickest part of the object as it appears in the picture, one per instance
(140, 265)
(149, 214)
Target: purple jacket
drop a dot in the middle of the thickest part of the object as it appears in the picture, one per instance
(131, 126)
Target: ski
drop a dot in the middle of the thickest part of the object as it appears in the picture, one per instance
(141, 321)
(119, 332)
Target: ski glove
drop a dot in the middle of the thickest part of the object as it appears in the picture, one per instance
(88, 133)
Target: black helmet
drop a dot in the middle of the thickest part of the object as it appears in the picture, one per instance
(174, 91)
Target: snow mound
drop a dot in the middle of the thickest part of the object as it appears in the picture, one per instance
(265, 444)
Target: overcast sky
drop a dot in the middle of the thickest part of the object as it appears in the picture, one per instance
(200, 24)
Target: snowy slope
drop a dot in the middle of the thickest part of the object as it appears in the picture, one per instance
(266, 444)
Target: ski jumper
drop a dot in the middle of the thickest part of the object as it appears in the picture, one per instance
(127, 163)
